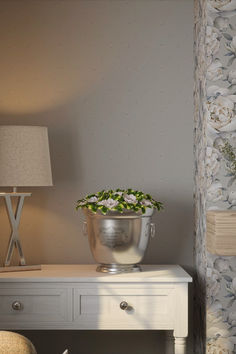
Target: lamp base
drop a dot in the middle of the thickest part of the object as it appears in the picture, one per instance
(14, 219)
(20, 268)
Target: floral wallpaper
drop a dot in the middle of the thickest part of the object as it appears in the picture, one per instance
(217, 99)
(200, 144)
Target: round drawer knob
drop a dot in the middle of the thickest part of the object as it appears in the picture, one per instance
(124, 305)
(17, 305)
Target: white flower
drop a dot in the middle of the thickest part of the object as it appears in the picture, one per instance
(146, 202)
(221, 23)
(212, 164)
(221, 264)
(231, 46)
(214, 91)
(213, 282)
(219, 143)
(218, 329)
(214, 192)
(119, 193)
(232, 137)
(221, 112)
(233, 285)
(215, 71)
(220, 346)
(214, 313)
(212, 41)
(231, 288)
(82, 203)
(214, 207)
(109, 203)
(130, 198)
(232, 77)
(92, 200)
(232, 198)
(223, 5)
(232, 318)
(219, 336)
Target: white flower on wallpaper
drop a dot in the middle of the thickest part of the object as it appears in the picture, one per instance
(217, 329)
(215, 313)
(231, 289)
(215, 70)
(219, 143)
(220, 113)
(231, 319)
(221, 23)
(231, 198)
(231, 48)
(215, 91)
(212, 164)
(213, 283)
(231, 77)
(220, 346)
(222, 265)
(222, 5)
(220, 335)
(212, 42)
(215, 192)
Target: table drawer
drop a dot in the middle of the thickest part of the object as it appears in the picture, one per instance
(35, 305)
(101, 308)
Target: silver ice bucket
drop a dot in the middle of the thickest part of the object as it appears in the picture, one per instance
(118, 241)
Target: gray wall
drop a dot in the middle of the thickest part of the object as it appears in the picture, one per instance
(113, 82)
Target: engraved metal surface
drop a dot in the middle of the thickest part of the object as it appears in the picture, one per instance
(118, 241)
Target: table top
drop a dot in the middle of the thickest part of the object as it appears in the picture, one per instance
(87, 274)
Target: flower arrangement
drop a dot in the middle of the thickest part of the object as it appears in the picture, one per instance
(119, 200)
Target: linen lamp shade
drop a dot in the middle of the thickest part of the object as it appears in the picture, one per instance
(24, 156)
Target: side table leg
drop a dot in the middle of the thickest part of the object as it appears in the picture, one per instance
(169, 342)
(180, 345)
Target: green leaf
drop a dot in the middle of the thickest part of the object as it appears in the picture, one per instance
(104, 209)
(104, 195)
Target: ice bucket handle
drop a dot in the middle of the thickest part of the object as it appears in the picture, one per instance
(85, 228)
(152, 229)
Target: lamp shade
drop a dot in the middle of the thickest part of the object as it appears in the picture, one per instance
(24, 156)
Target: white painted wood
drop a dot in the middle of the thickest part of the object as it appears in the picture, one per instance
(77, 297)
(180, 345)
(37, 305)
(181, 310)
(99, 308)
(87, 273)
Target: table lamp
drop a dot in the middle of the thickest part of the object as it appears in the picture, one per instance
(24, 162)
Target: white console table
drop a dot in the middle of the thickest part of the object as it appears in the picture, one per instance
(78, 297)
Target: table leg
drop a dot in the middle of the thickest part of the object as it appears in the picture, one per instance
(180, 345)
(169, 342)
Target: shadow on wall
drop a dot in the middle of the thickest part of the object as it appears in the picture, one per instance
(170, 241)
